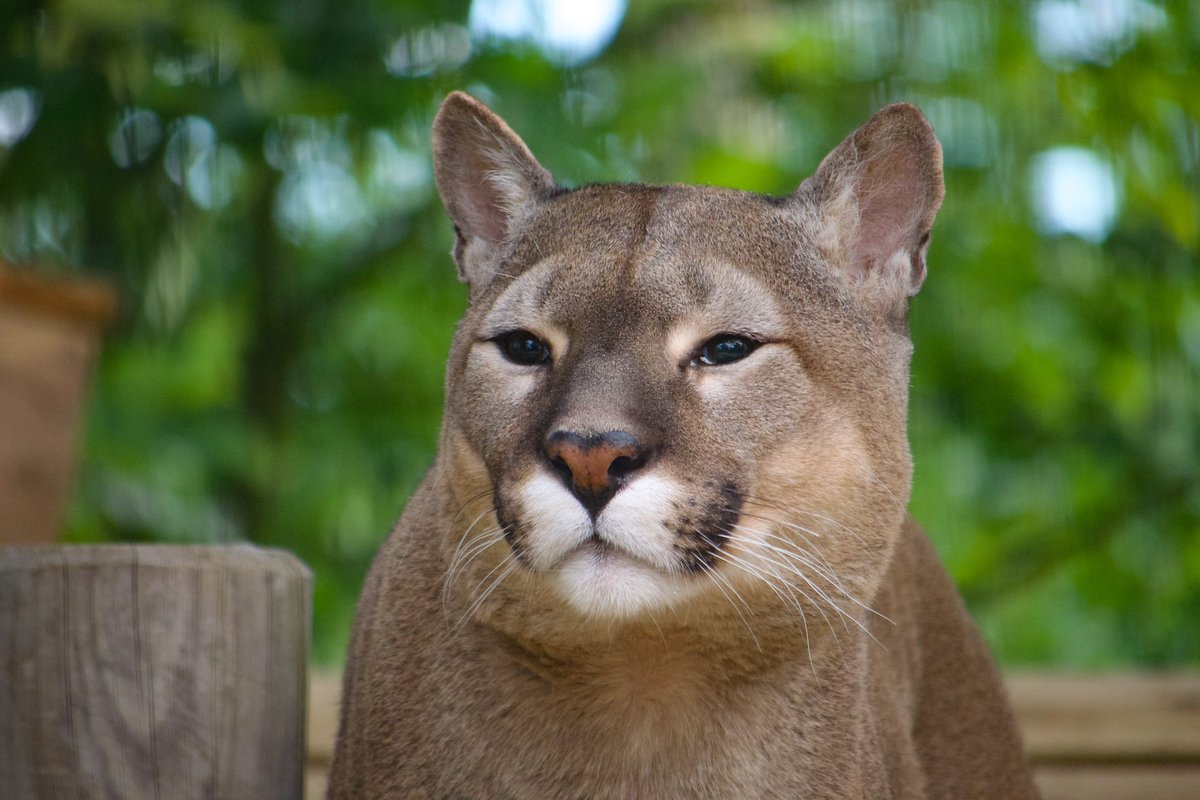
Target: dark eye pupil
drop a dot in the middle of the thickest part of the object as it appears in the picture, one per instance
(522, 347)
(726, 349)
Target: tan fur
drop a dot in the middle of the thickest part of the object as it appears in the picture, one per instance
(750, 613)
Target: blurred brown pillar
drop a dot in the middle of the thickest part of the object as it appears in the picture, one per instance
(50, 331)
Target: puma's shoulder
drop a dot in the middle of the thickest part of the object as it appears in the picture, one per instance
(961, 723)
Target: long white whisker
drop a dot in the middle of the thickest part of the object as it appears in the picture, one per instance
(755, 571)
(509, 563)
(790, 510)
(831, 520)
(740, 562)
(823, 570)
(468, 503)
(764, 518)
(829, 575)
(871, 474)
(466, 537)
(467, 549)
(802, 575)
(791, 600)
(717, 580)
(479, 546)
(467, 533)
(480, 541)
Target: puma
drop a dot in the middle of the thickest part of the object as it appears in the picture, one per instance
(663, 551)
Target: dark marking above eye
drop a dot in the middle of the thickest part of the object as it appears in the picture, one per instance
(522, 347)
(724, 348)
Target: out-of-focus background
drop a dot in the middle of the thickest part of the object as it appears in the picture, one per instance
(253, 176)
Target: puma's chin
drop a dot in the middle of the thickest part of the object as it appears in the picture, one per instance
(600, 580)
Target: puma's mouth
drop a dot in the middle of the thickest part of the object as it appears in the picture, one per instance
(602, 580)
(649, 546)
(604, 552)
(598, 546)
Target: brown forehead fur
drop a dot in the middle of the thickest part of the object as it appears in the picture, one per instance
(627, 225)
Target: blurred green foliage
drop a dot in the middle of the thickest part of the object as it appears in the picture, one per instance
(255, 176)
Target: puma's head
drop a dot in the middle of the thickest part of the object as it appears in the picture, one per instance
(664, 393)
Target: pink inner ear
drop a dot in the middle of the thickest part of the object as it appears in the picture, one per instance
(474, 181)
(484, 207)
(892, 202)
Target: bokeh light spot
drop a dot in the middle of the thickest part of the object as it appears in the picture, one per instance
(1074, 191)
(18, 112)
(566, 31)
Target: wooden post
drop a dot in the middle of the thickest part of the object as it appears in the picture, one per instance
(151, 672)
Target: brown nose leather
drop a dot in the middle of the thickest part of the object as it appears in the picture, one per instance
(593, 466)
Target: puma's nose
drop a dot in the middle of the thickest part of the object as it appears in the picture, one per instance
(594, 467)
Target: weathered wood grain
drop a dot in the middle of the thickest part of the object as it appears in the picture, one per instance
(141, 672)
(1109, 719)
(1124, 782)
(1100, 737)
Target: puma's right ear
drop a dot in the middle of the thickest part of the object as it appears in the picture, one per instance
(876, 196)
(488, 181)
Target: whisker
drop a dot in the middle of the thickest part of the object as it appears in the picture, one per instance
(802, 575)
(509, 563)
(794, 556)
(800, 528)
(821, 567)
(793, 510)
(466, 550)
(790, 599)
(485, 540)
(762, 518)
(468, 503)
(466, 534)
(831, 520)
(717, 581)
(793, 602)
(824, 570)
(871, 474)
(740, 562)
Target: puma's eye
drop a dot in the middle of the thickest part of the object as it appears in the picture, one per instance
(725, 348)
(522, 347)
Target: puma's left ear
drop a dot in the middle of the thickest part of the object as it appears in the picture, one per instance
(488, 181)
(876, 196)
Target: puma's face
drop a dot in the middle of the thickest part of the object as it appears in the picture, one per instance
(670, 391)
(640, 397)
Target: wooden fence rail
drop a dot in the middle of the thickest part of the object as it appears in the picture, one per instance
(1120, 737)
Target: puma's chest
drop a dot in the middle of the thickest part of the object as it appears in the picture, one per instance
(661, 733)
